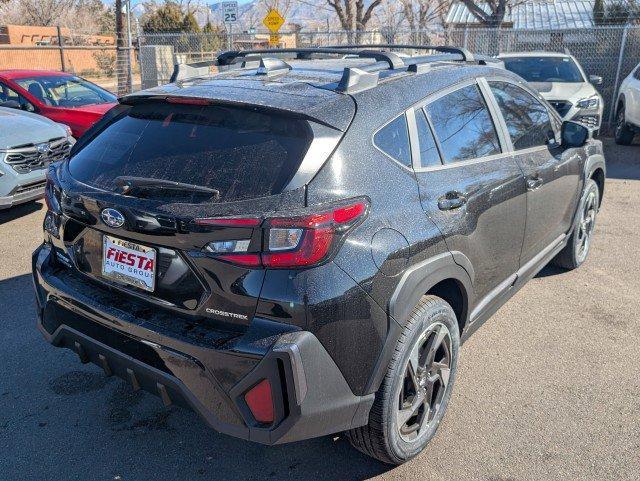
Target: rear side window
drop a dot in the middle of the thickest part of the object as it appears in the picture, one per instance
(527, 119)
(429, 156)
(241, 153)
(463, 125)
(393, 140)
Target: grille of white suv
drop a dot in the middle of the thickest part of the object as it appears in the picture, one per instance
(27, 158)
(561, 106)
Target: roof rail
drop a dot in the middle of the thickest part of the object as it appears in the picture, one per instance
(463, 52)
(272, 66)
(354, 79)
(184, 71)
(234, 56)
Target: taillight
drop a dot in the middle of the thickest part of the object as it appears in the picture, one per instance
(292, 241)
(301, 241)
(52, 217)
(229, 221)
(52, 197)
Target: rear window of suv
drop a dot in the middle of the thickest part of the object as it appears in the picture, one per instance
(239, 152)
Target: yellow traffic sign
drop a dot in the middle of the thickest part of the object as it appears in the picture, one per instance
(273, 21)
(274, 39)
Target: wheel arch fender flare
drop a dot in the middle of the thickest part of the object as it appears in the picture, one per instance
(419, 278)
(416, 281)
(592, 164)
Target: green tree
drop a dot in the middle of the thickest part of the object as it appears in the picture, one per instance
(213, 38)
(189, 24)
(598, 12)
(167, 18)
(620, 12)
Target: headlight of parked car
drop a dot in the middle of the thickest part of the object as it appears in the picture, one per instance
(67, 129)
(589, 103)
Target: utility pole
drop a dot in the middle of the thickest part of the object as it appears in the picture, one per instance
(129, 50)
(121, 74)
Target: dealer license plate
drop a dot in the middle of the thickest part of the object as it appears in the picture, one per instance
(128, 262)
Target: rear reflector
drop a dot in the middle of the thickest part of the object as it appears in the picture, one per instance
(260, 401)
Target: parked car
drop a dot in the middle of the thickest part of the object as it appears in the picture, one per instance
(295, 248)
(628, 108)
(562, 82)
(28, 144)
(59, 96)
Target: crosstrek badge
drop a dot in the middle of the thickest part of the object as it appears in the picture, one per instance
(129, 262)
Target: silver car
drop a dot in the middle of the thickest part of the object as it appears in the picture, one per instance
(28, 144)
(562, 82)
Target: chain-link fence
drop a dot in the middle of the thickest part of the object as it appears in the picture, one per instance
(610, 51)
(94, 57)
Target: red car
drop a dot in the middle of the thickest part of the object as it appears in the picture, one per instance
(62, 97)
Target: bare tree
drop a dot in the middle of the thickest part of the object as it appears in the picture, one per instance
(498, 9)
(390, 17)
(80, 16)
(422, 14)
(282, 6)
(40, 12)
(353, 14)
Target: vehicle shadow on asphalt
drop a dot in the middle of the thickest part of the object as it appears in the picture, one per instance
(627, 160)
(56, 408)
(550, 270)
(7, 215)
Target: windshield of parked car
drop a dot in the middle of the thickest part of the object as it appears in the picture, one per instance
(545, 69)
(65, 91)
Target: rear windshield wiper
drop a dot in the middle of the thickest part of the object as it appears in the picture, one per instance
(128, 185)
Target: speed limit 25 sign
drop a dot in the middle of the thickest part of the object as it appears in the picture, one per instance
(230, 12)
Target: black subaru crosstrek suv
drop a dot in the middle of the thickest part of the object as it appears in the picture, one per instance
(298, 245)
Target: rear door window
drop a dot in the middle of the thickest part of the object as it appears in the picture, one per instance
(463, 125)
(527, 120)
(241, 153)
(393, 140)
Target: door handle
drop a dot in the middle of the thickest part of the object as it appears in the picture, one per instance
(534, 183)
(451, 200)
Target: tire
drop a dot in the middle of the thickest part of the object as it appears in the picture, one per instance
(383, 437)
(624, 134)
(577, 248)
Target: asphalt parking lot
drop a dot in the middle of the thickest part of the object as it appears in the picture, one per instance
(547, 389)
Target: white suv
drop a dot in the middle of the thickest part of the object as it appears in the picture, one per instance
(28, 144)
(628, 108)
(562, 82)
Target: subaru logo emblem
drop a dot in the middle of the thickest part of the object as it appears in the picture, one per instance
(112, 218)
(43, 148)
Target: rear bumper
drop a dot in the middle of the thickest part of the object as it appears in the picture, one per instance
(202, 369)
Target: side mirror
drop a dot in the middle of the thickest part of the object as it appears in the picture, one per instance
(574, 134)
(595, 79)
(10, 104)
